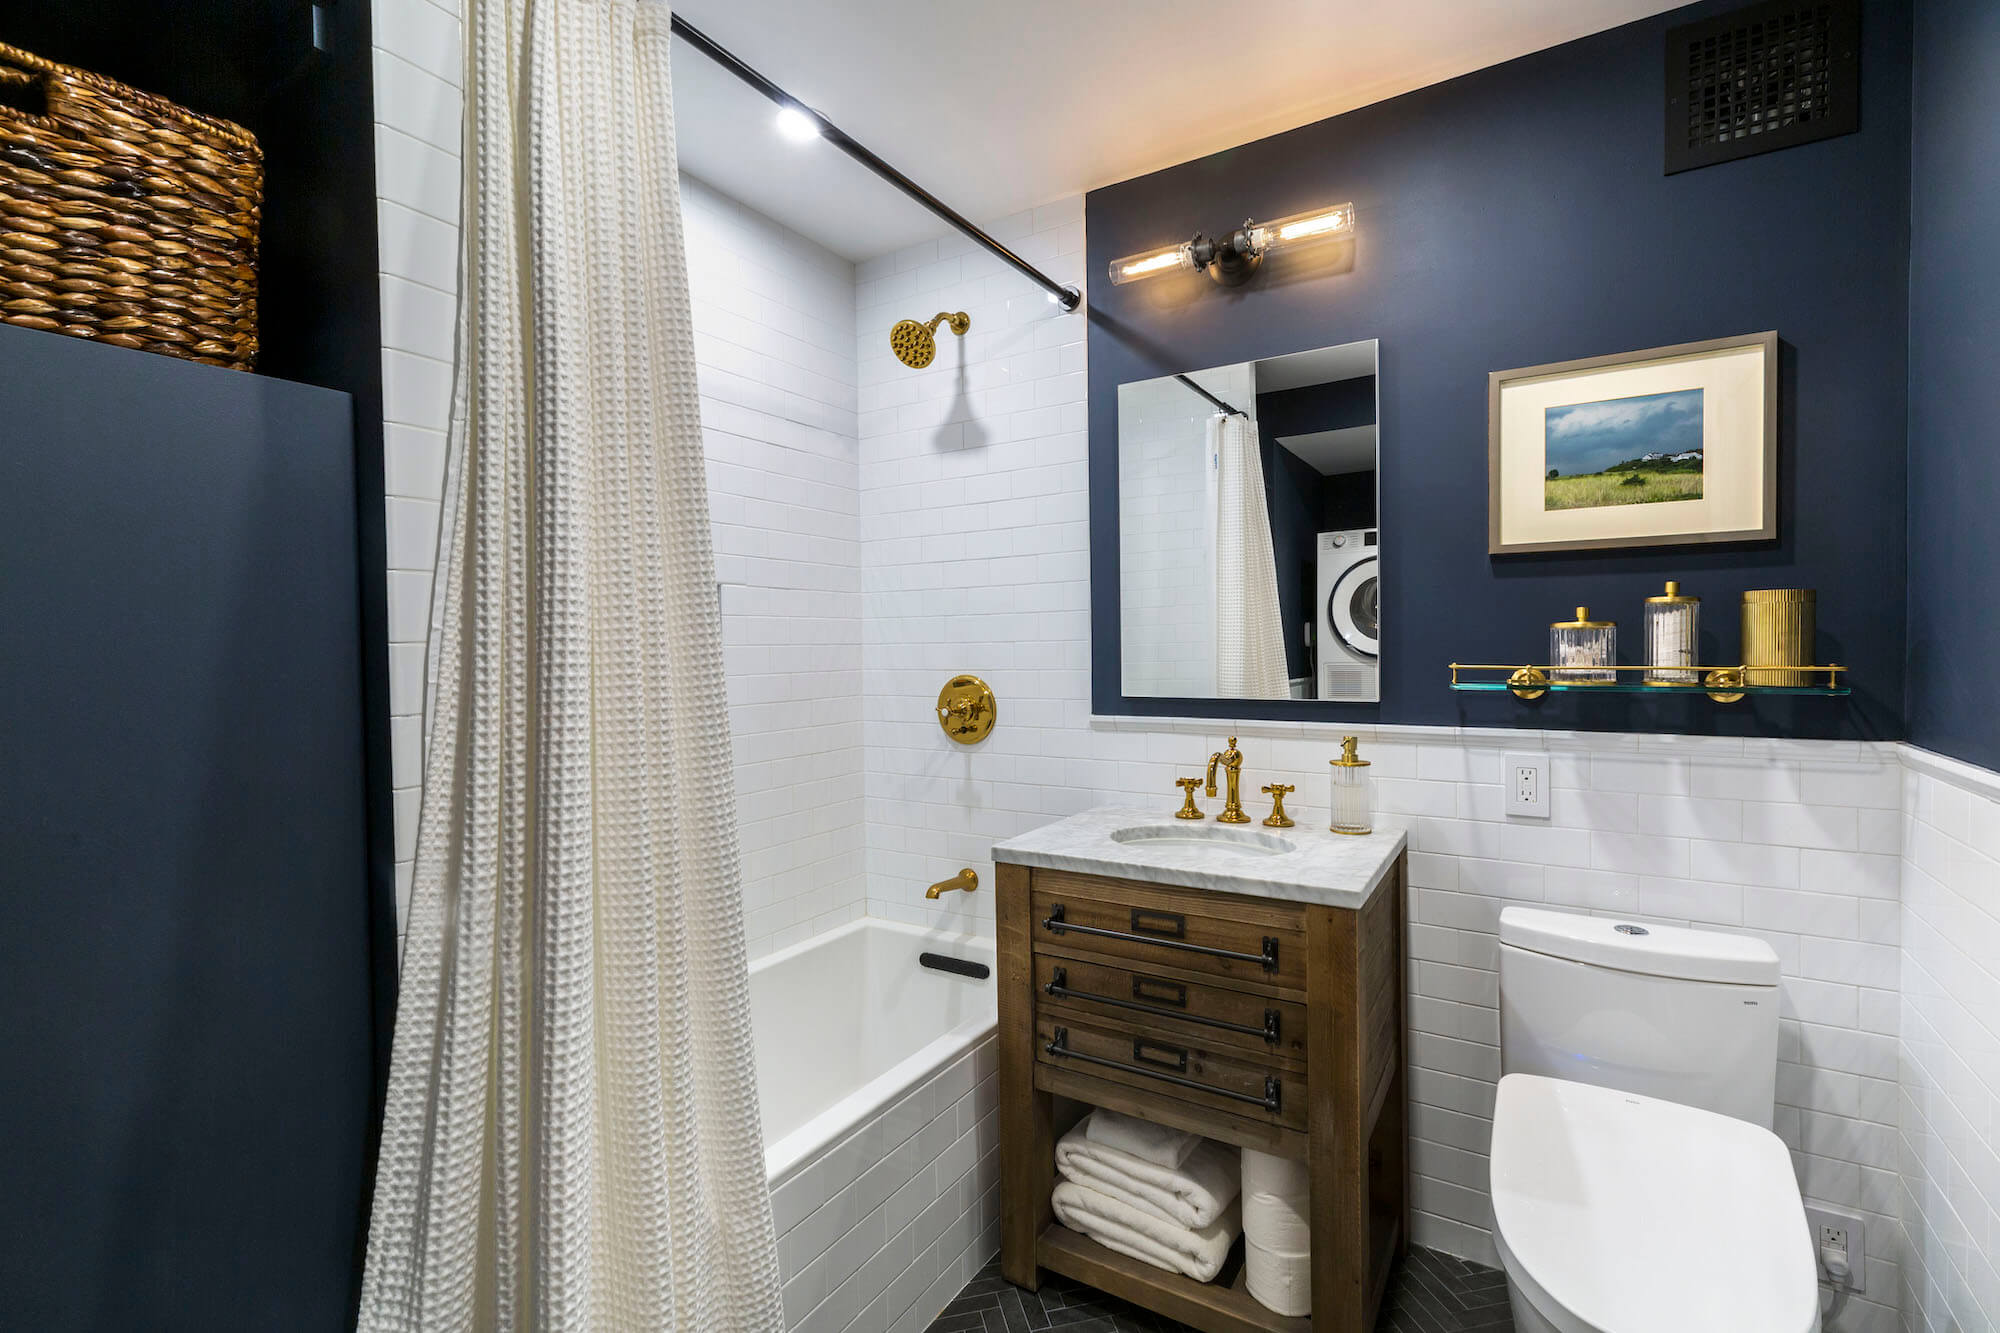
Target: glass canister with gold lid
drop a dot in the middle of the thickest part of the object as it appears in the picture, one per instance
(1583, 651)
(1353, 796)
(1673, 630)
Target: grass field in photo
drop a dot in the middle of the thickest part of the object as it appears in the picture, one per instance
(1619, 488)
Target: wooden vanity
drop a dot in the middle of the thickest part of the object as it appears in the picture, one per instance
(1269, 1019)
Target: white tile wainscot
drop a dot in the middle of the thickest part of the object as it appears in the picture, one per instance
(881, 1230)
(1949, 1113)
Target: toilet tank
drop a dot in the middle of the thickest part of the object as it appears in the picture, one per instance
(1690, 1016)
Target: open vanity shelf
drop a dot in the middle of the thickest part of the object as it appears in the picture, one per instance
(1261, 1021)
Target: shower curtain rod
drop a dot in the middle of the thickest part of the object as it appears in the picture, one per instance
(1066, 297)
(1220, 405)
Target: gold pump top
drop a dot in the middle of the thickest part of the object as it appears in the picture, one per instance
(1674, 596)
(1348, 756)
(1583, 621)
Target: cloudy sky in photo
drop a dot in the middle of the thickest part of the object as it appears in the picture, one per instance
(1590, 437)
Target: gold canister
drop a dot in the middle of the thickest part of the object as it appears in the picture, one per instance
(1778, 627)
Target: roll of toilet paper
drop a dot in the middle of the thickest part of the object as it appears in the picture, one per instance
(1281, 1176)
(1276, 1223)
(1281, 1282)
(1274, 1203)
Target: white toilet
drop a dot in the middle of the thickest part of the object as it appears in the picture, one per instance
(1637, 1186)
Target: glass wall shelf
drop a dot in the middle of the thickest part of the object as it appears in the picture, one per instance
(1725, 685)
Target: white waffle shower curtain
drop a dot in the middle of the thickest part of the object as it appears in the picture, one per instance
(1249, 634)
(572, 1141)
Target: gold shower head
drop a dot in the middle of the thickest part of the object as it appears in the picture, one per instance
(915, 345)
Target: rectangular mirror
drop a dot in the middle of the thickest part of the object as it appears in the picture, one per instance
(1247, 530)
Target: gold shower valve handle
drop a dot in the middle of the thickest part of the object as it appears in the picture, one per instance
(966, 709)
(1188, 808)
(1278, 791)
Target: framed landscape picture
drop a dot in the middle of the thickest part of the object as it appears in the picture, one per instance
(1665, 447)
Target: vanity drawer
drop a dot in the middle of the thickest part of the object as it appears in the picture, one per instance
(1172, 1007)
(1146, 1062)
(1247, 941)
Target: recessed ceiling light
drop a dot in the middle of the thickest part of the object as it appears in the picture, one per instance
(796, 125)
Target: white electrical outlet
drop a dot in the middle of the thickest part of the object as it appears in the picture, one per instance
(1526, 778)
(1837, 1235)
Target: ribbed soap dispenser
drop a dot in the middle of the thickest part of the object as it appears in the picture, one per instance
(1353, 796)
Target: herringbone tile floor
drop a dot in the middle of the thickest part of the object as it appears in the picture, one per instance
(1431, 1293)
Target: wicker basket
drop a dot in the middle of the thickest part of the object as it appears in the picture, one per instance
(124, 218)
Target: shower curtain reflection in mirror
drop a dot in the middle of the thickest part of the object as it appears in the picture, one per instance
(1247, 530)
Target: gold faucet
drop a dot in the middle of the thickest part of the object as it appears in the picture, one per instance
(1232, 767)
(967, 879)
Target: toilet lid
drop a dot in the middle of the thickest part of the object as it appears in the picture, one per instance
(1632, 1215)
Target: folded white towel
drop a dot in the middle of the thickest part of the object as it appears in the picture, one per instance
(1138, 1233)
(1142, 1138)
(1193, 1195)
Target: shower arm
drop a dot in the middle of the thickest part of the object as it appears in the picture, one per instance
(1066, 297)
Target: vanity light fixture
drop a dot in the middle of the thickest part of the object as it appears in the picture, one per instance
(1231, 259)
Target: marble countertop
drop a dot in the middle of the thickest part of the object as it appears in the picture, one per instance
(1332, 869)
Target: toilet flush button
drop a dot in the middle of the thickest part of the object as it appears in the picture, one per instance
(1624, 929)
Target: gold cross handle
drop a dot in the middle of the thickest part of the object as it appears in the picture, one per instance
(1188, 810)
(1277, 791)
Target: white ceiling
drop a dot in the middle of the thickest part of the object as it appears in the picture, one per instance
(1321, 365)
(999, 107)
(1333, 453)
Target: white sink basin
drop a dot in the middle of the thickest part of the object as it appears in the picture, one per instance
(1214, 837)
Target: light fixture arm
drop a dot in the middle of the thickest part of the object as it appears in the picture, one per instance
(1229, 260)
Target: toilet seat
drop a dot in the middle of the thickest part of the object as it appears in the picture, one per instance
(1617, 1213)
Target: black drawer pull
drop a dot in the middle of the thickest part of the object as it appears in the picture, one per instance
(1168, 925)
(1160, 991)
(1055, 924)
(1272, 1100)
(1170, 1057)
(1058, 987)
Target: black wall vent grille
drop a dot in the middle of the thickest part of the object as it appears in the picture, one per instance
(1772, 76)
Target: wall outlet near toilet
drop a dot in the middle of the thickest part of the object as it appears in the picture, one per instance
(1837, 1236)
(1526, 778)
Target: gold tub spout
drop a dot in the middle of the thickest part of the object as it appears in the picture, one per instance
(967, 879)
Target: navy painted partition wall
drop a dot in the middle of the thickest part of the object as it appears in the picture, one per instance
(1954, 392)
(1518, 216)
(185, 1075)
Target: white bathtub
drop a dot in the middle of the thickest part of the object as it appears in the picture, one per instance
(875, 1078)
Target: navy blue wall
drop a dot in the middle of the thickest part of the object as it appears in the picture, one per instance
(186, 1075)
(1954, 392)
(1518, 216)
